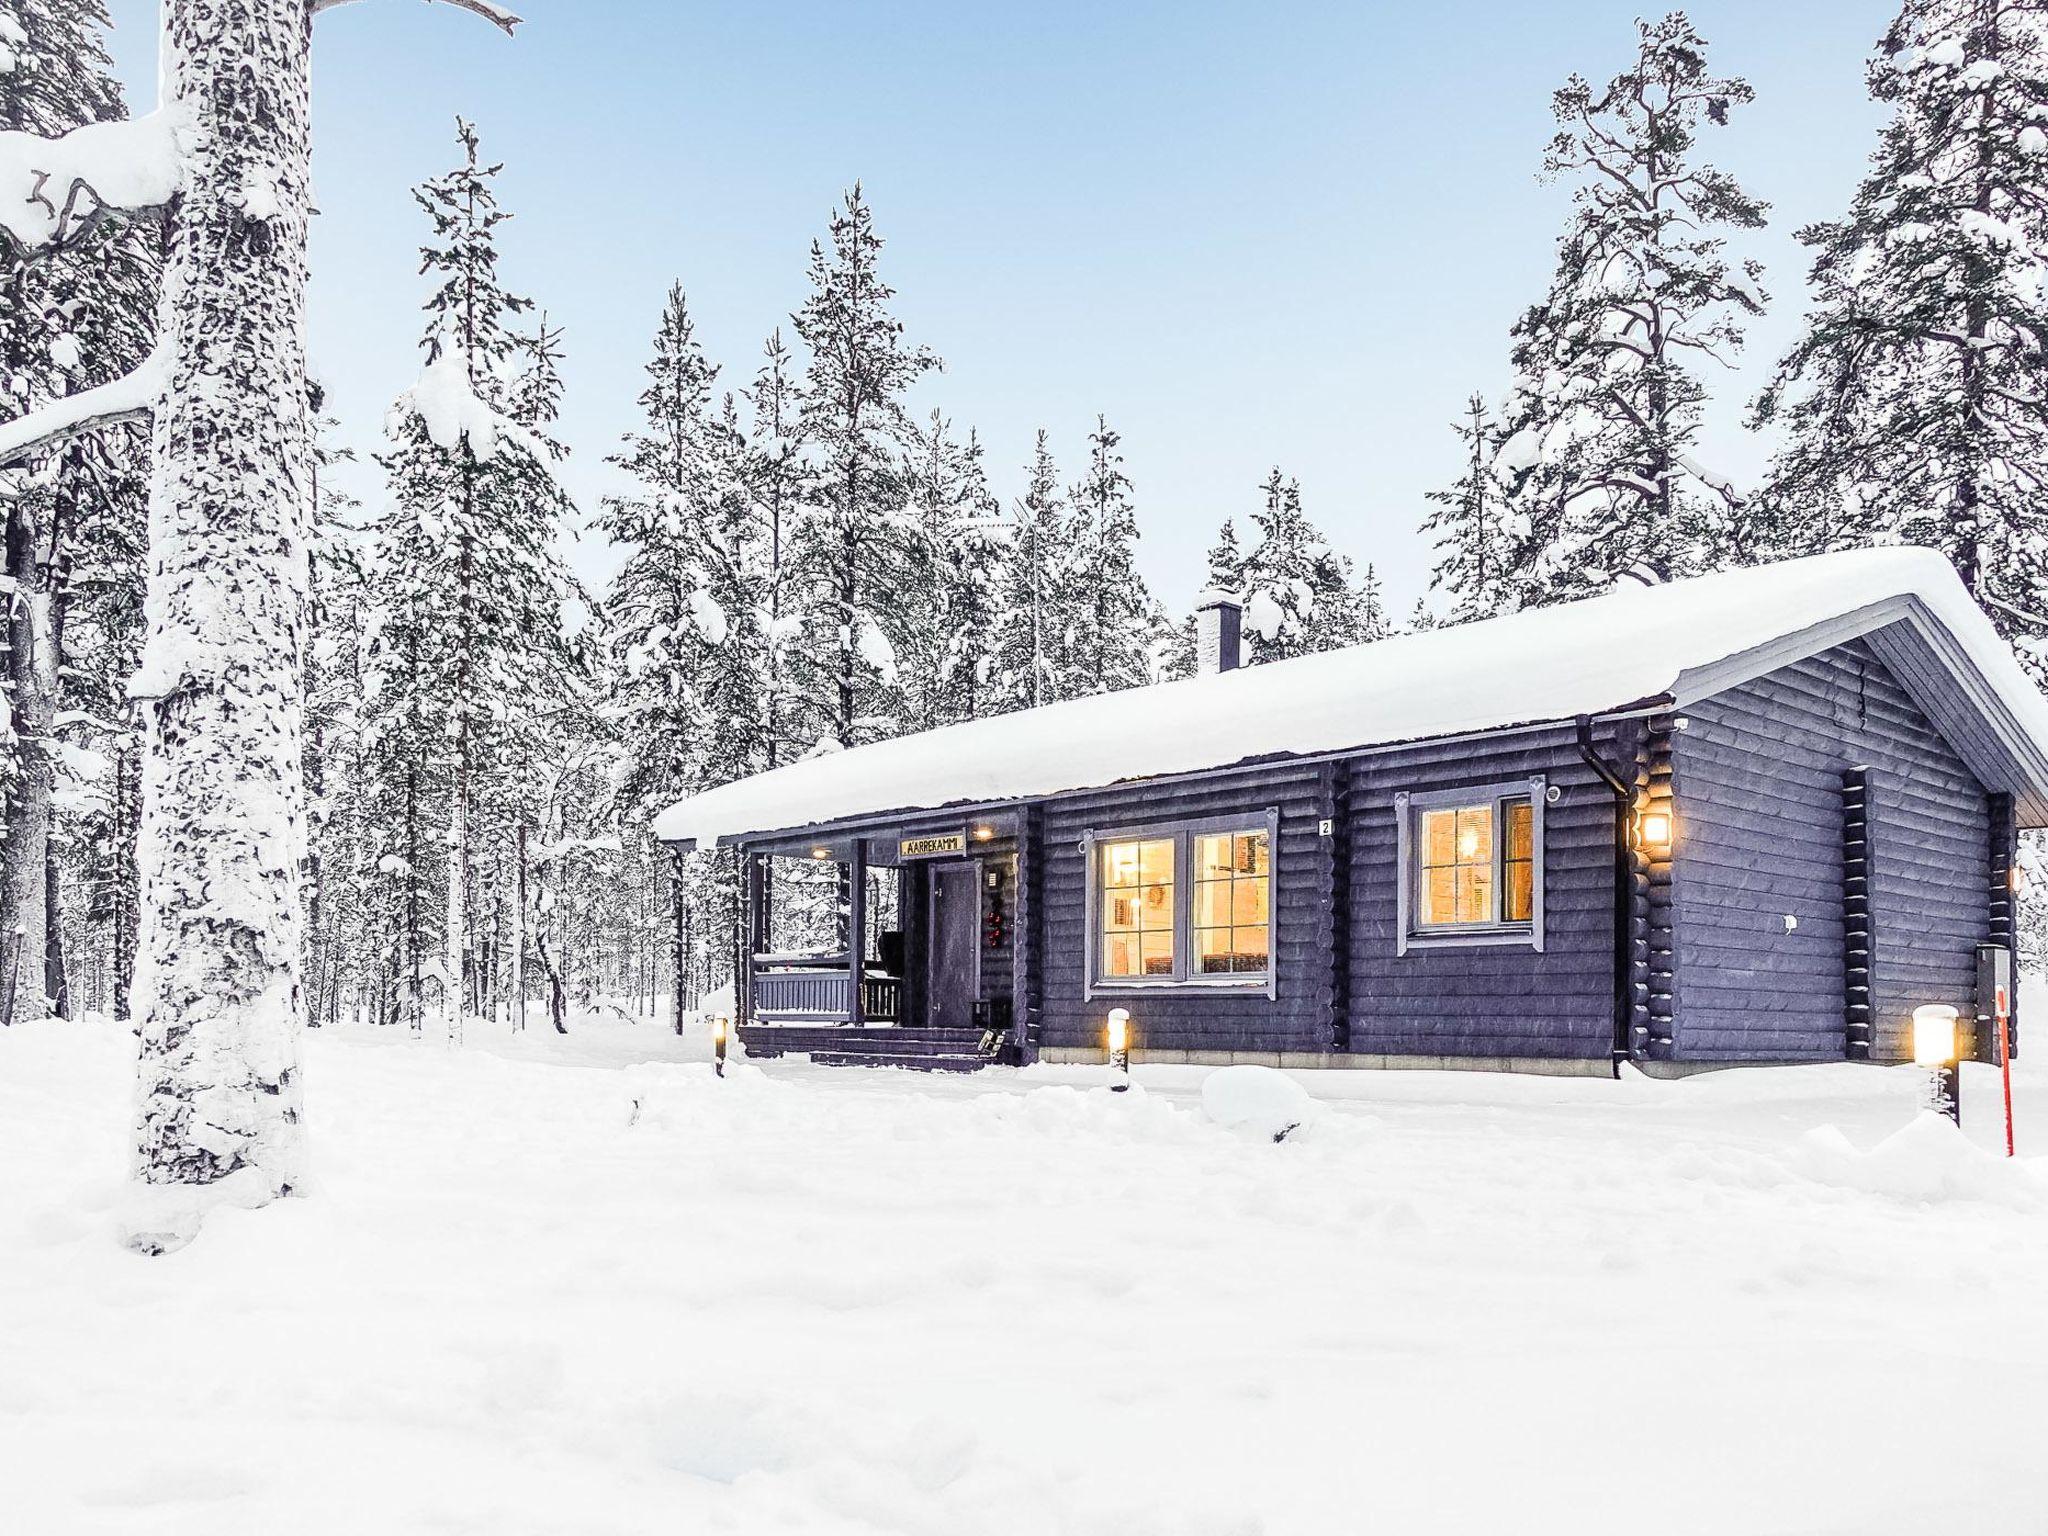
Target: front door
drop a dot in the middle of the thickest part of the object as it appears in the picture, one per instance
(955, 978)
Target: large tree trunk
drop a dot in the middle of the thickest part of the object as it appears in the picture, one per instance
(223, 820)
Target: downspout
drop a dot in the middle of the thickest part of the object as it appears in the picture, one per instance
(1624, 798)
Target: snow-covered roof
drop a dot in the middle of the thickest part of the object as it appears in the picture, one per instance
(1680, 642)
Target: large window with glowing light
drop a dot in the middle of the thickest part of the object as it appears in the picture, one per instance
(1190, 904)
(1472, 864)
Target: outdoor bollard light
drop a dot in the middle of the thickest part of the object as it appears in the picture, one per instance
(720, 1027)
(1120, 1048)
(1934, 1047)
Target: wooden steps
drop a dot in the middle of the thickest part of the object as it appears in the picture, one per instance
(920, 1048)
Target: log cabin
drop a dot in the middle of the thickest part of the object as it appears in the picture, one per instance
(1747, 818)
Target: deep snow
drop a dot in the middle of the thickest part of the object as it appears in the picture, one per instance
(537, 1289)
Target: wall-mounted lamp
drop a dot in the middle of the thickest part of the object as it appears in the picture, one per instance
(1653, 832)
(1120, 1048)
(721, 1026)
(1935, 1047)
(983, 834)
(821, 853)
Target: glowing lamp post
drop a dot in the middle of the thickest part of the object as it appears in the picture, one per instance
(721, 1026)
(1120, 1048)
(1934, 1047)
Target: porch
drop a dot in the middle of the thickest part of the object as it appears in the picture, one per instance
(920, 970)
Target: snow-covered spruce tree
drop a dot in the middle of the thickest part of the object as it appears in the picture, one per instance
(775, 477)
(475, 584)
(1036, 609)
(1465, 525)
(70, 319)
(661, 617)
(1598, 437)
(853, 527)
(340, 929)
(1916, 400)
(227, 156)
(1116, 634)
(687, 620)
(946, 622)
(1297, 592)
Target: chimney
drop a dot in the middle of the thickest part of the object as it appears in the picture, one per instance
(1219, 623)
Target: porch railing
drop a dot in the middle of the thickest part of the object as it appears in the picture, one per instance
(813, 989)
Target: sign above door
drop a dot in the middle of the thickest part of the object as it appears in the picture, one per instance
(931, 847)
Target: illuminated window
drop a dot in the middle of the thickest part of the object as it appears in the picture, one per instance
(1186, 905)
(1472, 862)
(1233, 895)
(1138, 908)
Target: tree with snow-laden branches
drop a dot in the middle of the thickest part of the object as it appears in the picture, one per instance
(1597, 440)
(1035, 608)
(468, 568)
(688, 618)
(72, 317)
(950, 589)
(853, 528)
(1297, 592)
(227, 158)
(1117, 626)
(1465, 524)
(1916, 400)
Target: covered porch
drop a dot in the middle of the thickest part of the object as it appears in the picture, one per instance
(921, 964)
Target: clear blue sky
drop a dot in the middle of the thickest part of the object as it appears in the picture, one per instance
(1249, 234)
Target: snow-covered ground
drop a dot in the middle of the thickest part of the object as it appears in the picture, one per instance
(580, 1286)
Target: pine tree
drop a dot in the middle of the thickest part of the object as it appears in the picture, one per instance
(775, 477)
(473, 582)
(689, 619)
(1113, 643)
(659, 615)
(1297, 592)
(1916, 400)
(1466, 524)
(946, 619)
(1030, 665)
(853, 529)
(1597, 450)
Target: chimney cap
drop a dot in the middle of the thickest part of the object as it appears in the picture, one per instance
(1216, 597)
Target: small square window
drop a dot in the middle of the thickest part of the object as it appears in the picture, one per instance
(1473, 863)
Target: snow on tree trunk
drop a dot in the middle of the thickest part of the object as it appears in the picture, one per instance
(32, 689)
(222, 830)
(519, 924)
(457, 930)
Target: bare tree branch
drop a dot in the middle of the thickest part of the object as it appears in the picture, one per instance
(496, 15)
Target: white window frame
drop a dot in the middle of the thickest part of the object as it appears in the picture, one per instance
(1410, 933)
(1184, 978)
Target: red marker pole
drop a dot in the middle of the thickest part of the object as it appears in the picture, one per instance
(2005, 1063)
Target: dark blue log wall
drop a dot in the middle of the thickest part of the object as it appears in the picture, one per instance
(1342, 983)
(1758, 776)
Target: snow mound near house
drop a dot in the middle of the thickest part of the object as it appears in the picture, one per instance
(1926, 1161)
(1261, 1100)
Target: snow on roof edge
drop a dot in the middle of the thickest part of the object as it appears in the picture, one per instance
(1541, 666)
